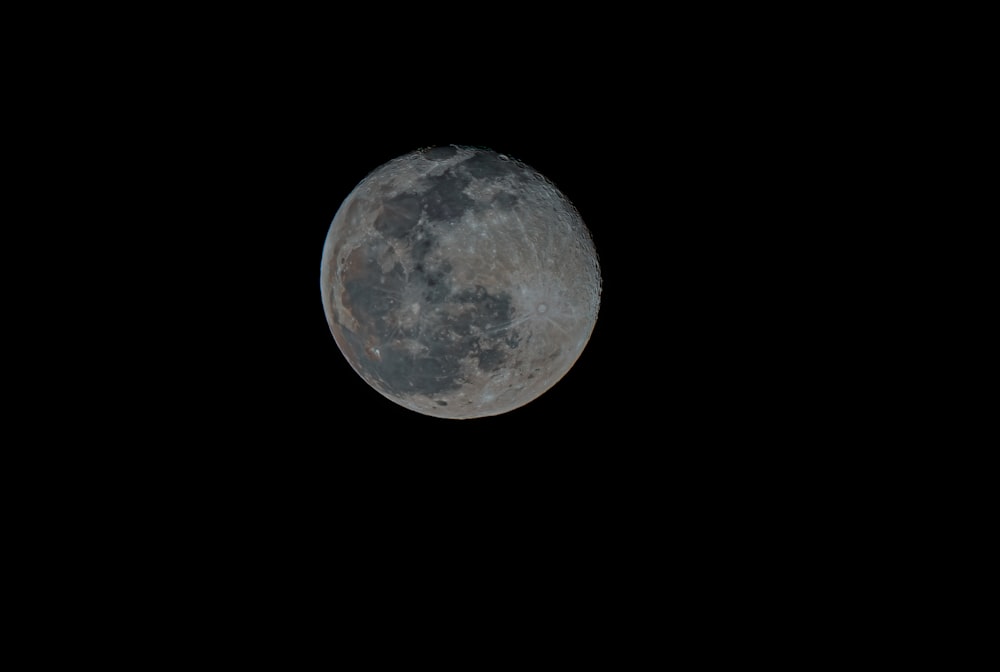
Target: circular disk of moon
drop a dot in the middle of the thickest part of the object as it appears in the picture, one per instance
(459, 283)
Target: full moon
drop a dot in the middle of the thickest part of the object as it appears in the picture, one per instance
(459, 283)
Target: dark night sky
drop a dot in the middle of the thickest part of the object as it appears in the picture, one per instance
(689, 185)
(700, 431)
(695, 359)
(215, 414)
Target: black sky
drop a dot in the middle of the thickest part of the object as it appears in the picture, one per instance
(686, 168)
(215, 415)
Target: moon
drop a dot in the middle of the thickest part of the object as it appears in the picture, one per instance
(459, 283)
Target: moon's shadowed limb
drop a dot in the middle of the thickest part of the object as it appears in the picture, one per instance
(459, 283)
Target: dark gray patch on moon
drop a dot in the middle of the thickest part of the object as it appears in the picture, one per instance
(490, 310)
(422, 246)
(442, 202)
(440, 153)
(434, 280)
(426, 355)
(461, 330)
(398, 216)
(491, 359)
(434, 372)
(445, 199)
(374, 301)
(488, 165)
(504, 200)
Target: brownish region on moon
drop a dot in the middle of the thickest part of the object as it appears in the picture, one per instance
(459, 283)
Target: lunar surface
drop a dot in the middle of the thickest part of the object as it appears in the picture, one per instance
(459, 283)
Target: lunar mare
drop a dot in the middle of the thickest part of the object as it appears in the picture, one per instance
(459, 283)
